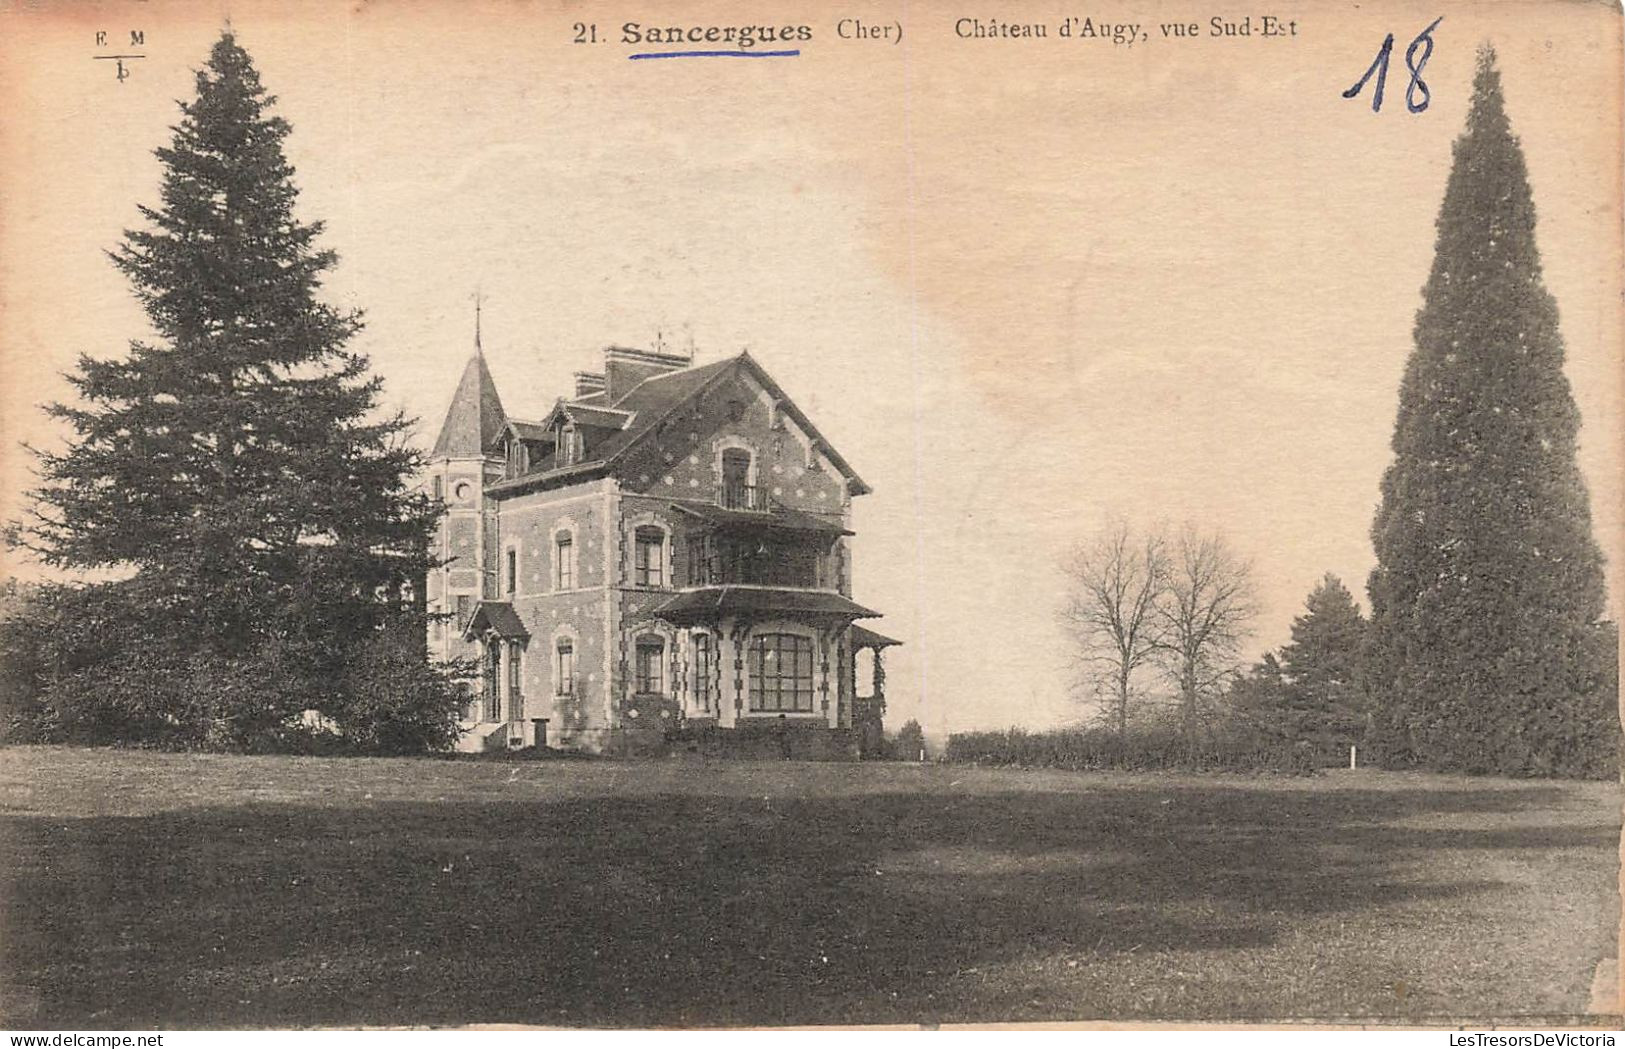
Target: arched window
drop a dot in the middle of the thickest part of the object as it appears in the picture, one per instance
(781, 674)
(649, 557)
(737, 491)
(648, 670)
(564, 561)
(564, 667)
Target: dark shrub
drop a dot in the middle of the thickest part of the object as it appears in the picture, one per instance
(85, 665)
(394, 702)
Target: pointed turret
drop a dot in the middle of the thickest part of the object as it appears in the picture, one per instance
(474, 421)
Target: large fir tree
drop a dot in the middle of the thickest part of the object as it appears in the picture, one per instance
(1322, 664)
(1486, 650)
(1312, 693)
(235, 471)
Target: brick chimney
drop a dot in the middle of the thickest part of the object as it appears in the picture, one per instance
(588, 383)
(625, 368)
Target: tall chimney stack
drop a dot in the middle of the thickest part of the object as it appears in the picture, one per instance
(588, 383)
(625, 368)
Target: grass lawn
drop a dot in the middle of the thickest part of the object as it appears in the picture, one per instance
(206, 891)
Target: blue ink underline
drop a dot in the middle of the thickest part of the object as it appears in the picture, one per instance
(715, 54)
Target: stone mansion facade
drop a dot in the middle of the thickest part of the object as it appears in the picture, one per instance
(667, 550)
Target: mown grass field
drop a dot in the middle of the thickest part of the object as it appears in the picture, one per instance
(209, 891)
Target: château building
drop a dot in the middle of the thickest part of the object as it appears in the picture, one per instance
(666, 554)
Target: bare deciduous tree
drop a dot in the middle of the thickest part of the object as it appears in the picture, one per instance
(1204, 615)
(1117, 582)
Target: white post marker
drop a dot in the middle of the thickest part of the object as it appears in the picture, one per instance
(1352, 749)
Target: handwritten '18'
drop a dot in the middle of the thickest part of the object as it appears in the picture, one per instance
(1379, 66)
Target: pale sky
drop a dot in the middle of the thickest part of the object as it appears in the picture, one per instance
(1021, 286)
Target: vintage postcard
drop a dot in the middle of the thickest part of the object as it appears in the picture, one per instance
(727, 514)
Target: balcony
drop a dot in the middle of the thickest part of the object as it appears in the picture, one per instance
(718, 558)
(736, 495)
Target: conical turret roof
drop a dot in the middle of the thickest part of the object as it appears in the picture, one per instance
(475, 419)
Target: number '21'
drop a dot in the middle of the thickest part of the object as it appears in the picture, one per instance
(1379, 66)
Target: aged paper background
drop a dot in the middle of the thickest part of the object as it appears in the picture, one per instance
(1021, 284)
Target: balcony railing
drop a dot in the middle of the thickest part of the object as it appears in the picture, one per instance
(720, 559)
(740, 496)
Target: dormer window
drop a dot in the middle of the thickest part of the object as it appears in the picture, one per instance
(569, 448)
(518, 460)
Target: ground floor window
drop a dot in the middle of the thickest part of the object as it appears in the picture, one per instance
(781, 674)
(564, 677)
(493, 681)
(516, 692)
(651, 654)
(702, 671)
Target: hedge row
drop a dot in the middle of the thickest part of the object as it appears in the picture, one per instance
(1142, 750)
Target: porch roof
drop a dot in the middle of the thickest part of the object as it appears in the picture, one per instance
(780, 517)
(710, 603)
(499, 618)
(863, 637)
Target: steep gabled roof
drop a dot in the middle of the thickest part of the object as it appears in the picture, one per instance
(789, 408)
(654, 399)
(657, 398)
(497, 616)
(475, 419)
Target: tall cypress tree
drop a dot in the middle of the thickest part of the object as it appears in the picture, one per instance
(1485, 651)
(234, 471)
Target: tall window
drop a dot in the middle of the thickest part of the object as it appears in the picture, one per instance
(564, 568)
(516, 692)
(651, 655)
(781, 674)
(569, 447)
(564, 676)
(702, 671)
(511, 572)
(439, 487)
(461, 605)
(649, 548)
(493, 679)
(737, 493)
